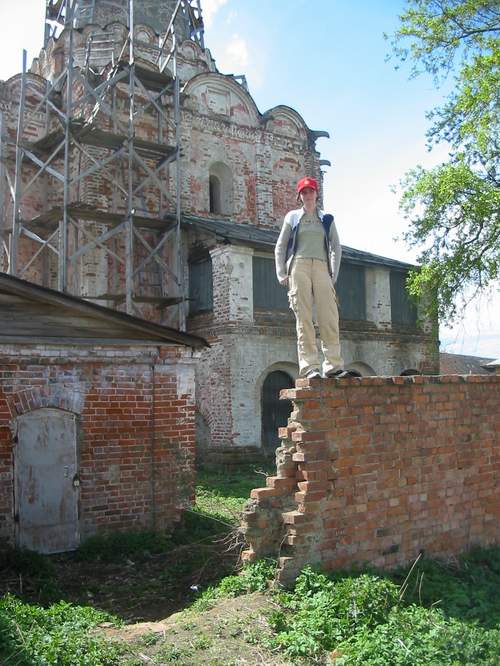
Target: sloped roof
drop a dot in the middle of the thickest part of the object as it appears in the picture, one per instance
(29, 311)
(247, 234)
(459, 364)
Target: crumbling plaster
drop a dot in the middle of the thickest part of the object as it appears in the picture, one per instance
(265, 153)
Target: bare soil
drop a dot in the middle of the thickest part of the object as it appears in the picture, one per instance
(229, 634)
(146, 588)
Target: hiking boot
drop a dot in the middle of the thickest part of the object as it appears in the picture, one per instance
(340, 374)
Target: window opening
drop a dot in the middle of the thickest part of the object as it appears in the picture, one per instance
(215, 195)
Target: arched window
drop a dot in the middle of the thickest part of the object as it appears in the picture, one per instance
(220, 189)
(215, 195)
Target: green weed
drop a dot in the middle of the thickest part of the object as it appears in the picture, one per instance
(223, 495)
(463, 589)
(417, 636)
(171, 653)
(202, 643)
(26, 562)
(28, 574)
(365, 618)
(59, 635)
(253, 578)
(320, 613)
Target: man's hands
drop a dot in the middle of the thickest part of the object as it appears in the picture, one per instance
(284, 281)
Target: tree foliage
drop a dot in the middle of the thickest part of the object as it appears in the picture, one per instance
(454, 208)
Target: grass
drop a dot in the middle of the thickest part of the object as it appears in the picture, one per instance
(462, 588)
(59, 600)
(60, 634)
(436, 614)
(222, 495)
(366, 619)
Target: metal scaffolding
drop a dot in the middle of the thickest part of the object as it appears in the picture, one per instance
(95, 118)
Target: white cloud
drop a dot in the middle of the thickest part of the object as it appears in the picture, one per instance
(234, 58)
(478, 333)
(210, 8)
(22, 28)
(236, 53)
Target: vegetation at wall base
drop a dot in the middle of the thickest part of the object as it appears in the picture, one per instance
(370, 619)
(71, 609)
(133, 575)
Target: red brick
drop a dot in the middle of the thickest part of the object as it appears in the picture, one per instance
(422, 476)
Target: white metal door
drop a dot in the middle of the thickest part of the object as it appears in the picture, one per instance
(46, 481)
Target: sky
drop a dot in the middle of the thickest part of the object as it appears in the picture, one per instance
(327, 60)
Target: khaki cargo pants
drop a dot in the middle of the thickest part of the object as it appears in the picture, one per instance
(310, 282)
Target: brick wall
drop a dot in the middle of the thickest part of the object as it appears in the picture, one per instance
(376, 469)
(136, 429)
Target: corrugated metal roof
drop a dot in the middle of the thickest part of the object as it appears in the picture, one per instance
(249, 234)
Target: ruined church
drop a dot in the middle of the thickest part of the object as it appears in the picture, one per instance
(137, 176)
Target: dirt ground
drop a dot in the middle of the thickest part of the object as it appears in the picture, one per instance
(229, 634)
(146, 588)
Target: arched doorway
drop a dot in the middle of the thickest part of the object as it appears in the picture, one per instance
(361, 369)
(275, 412)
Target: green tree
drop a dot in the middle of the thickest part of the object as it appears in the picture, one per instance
(454, 208)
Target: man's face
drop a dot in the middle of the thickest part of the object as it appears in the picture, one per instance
(308, 196)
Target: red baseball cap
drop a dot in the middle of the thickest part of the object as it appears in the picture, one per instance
(303, 183)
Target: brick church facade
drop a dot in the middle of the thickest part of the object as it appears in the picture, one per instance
(238, 169)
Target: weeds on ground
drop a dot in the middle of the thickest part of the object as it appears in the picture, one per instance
(30, 574)
(150, 565)
(120, 546)
(254, 577)
(223, 496)
(462, 589)
(374, 620)
(416, 636)
(61, 634)
(435, 615)
(320, 613)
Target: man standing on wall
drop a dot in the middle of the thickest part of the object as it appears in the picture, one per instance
(308, 257)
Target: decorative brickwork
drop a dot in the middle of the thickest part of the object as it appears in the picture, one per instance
(136, 429)
(374, 470)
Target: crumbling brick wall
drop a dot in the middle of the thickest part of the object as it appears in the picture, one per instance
(136, 429)
(374, 470)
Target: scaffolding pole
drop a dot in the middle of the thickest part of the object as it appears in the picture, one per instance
(129, 263)
(16, 210)
(64, 228)
(75, 128)
(3, 227)
(178, 182)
